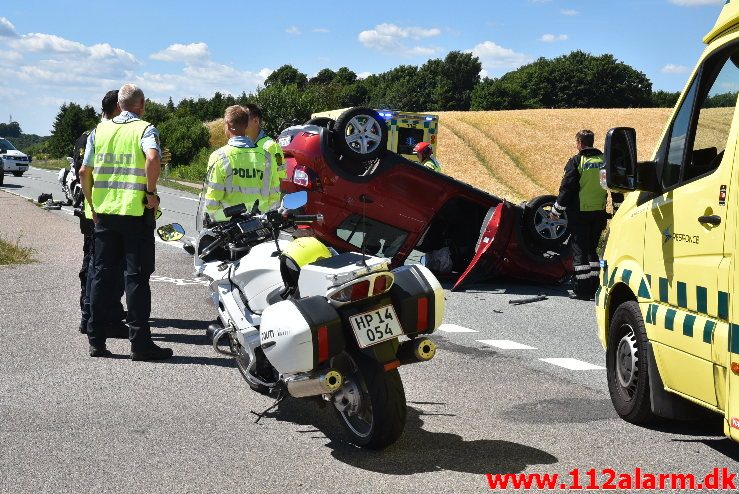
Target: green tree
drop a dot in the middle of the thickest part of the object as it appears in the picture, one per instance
(156, 113)
(493, 94)
(184, 136)
(324, 77)
(664, 99)
(286, 75)
(71, 121)
(12, 129)
(283, 105)
(450, 81)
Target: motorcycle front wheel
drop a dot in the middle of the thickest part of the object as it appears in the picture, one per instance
(371, 403)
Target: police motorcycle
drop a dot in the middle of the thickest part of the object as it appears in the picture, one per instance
(70, 182)
(303, 320)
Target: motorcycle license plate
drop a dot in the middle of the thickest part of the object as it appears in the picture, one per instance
(376, 326)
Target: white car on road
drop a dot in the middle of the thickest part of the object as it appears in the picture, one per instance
(13, 160)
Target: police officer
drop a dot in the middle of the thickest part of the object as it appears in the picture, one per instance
(119, 177)
(425, 154)
(118, 329)
(584, 200)
(240, 172)
(261, 139)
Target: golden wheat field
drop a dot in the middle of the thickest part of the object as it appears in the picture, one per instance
(520, 154)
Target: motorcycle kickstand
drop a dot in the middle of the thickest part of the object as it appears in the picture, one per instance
(282, 394)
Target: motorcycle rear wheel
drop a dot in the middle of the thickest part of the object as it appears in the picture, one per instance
(371, 403)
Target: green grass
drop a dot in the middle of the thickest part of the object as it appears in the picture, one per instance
(14, 254)
(50, 164)
(179, 186)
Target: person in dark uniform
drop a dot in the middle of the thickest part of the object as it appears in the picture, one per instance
(118, 329)
(583, 198)
(119, 176)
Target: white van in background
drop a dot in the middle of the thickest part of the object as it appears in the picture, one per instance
(13, 160)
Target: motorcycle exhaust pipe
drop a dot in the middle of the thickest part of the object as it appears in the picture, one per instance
(326, 382)
(219, 332)
(416, 350)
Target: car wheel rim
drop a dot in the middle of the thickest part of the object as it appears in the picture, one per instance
(363, 134)
(549, 228)
(627, 363)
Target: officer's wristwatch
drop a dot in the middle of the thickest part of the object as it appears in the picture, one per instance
(154, 193)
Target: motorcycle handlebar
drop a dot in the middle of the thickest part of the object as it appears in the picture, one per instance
(208, 250)
(307, 218)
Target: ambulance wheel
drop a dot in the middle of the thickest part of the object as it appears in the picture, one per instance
(17, 174)
(360, 134)
(371, 403)
(627, 366)
(542, 231)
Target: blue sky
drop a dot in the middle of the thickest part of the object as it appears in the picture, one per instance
(53, 52)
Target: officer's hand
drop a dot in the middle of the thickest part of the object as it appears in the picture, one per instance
(152, 202)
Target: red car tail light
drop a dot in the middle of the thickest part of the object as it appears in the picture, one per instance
(305, 177)
(353, 292)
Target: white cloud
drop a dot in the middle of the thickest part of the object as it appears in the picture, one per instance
(495, 58)
(293, 30)
(569, 12)
(387, 38)
(10, 56)
(553, 38)
(190, 53)
(320, 30)
(363, 75)
(674, 69)
(7, 29)
(47, 43)
(694, 3)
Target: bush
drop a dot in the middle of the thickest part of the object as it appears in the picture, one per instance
(184, 137)
(194, 171)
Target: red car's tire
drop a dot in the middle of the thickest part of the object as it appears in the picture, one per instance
(539, 229)
(360, 134)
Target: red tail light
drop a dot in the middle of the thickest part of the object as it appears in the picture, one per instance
(305, 177)
(360, 290)
(381, 284)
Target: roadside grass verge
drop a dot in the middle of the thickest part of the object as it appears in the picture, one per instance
(180, 186)
(14, 253)
(50, 164)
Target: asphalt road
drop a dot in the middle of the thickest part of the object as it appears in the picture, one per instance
(486, 404)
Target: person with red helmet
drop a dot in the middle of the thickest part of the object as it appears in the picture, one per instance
(424, 153)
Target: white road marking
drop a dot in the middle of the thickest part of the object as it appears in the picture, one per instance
(453, 328)
(507, 345)
(180, 281)
(189, 198)
(572, 364)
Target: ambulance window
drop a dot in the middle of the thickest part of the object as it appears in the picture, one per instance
(676, 150)
(718, 100)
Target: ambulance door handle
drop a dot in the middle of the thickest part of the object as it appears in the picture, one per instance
(712, 219)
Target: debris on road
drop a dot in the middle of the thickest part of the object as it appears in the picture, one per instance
(529, 300)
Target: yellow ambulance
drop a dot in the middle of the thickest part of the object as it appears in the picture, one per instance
(667, 312)
(405, 129)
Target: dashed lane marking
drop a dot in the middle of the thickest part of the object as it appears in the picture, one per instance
(572, 364)
(507, 345)
(180, 281)
(453, 328)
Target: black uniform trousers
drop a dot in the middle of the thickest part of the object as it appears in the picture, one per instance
(122, 241)
(586, 228)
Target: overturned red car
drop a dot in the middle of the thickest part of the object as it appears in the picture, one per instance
(376, 200)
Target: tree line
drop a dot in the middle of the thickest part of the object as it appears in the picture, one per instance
(288, 96)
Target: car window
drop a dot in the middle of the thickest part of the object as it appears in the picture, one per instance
(5, 145)
(383, 240)
(709, 105)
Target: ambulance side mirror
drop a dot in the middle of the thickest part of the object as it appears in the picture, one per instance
(623, 173)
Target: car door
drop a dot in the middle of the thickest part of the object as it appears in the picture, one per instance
(685, 230)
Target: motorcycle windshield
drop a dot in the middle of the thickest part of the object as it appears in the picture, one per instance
(494, 235)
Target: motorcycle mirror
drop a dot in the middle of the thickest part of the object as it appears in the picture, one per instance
(295, 200)
(255, 207)
(171, 232)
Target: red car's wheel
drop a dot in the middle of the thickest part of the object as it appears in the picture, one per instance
(360, 134)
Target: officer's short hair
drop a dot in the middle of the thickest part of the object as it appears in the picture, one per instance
(110, 100)
(236, 118)
(129, 96)
(585, 137)
(254, 111)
